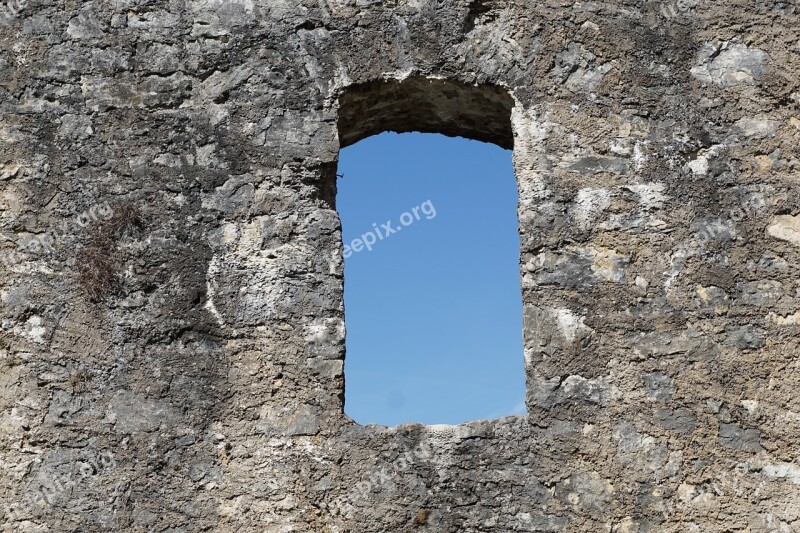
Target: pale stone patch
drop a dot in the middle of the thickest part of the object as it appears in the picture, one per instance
(788, 471)
(651, 195)
(729, 64)
(639, 154)
(786, 228)
(699, 166)
(750, 405)
(589, 204)
(570, 325)
(9, 170)
(607, 264)
(789, 320)
(211, 290)
(758, 126)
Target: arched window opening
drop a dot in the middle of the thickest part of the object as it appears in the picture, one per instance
(432, 288)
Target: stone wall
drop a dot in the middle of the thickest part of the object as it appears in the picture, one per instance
(171, 327)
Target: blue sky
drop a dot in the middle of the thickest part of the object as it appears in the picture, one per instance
(432, 299)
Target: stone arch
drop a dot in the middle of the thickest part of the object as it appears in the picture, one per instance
(480, 112)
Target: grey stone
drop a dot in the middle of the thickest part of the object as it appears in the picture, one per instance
(133, 413)
(681, 420)
(730, 63)
(736, 437)
(658, 386)
(758, 127)
(746, 337)
(761, 293)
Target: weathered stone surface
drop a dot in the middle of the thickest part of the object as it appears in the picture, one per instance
(171, 273)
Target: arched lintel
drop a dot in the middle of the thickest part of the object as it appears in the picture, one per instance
(479, 112)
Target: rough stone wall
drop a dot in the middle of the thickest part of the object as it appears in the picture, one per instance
(171, 327)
